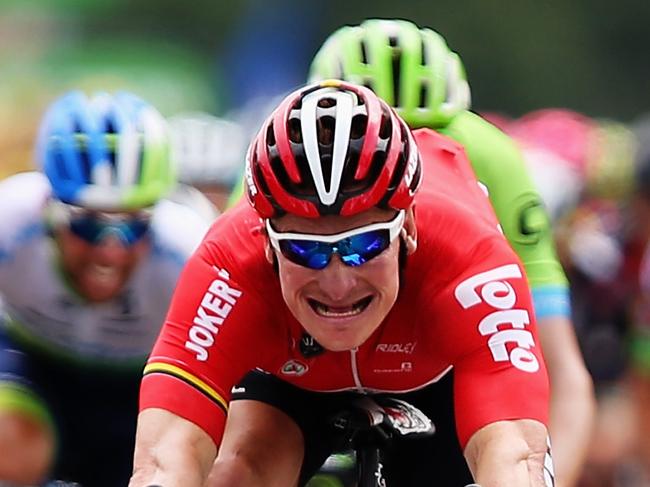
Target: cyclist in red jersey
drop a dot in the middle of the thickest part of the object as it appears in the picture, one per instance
(339, 280)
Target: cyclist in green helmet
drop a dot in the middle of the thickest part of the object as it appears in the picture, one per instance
(414, 70)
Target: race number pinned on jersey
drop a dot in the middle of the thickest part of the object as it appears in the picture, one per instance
(492, 288)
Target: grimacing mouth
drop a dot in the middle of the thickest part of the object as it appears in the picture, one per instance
(329, 311)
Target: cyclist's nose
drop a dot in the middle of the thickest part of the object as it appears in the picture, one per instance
(112, 246)
(337, 280)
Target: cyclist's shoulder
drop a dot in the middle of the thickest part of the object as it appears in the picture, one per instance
(23, 199)
(466, 122)
(238, 223)
(429, 139)
(481, 139)
(176, 230)
(235, 242)
(453, 221)
(24, 190)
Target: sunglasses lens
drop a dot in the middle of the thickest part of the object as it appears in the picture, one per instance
(359, 249)
(93, 230)
(138, 229)
(89, 229)
(307, 253)
(354, 251)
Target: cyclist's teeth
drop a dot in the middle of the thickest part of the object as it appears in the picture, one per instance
(104, 271)
(327, 311)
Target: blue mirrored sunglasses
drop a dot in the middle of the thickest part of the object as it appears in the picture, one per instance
(355, 247)
(94, 226)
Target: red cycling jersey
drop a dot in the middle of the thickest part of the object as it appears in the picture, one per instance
(464, 303)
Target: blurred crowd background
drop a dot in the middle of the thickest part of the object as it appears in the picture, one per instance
(588, 55)
(232, 59)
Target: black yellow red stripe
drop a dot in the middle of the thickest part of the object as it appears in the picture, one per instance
(174, 371)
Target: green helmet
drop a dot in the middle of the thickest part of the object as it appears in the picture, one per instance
(410, 68)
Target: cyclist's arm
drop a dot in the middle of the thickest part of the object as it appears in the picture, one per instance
(170, 451)
(508, 453)
(206, 345)
(573, 405)
(262, 447)
(500, 383)
(500, 166)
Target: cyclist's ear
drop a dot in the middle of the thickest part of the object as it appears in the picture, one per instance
(410, 231)
(268, 250)
(268, 253)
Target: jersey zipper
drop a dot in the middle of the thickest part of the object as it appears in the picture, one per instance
(355, 369)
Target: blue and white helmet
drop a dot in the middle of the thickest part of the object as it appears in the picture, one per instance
(106, 151)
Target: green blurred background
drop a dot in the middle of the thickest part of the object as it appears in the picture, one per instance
(589, 55)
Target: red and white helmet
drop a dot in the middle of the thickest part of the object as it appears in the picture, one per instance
(332, 148)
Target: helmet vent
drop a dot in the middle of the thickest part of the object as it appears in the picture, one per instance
(386, 127)
(364, 53)
(395, 181)
(111, 126)
(60, 165)
(325, 130)
(424, 51)
(393, 41)
(270, 135)
(424, 94)
(295, 131)
(358, 128)
(84, 159)
(264, 188)
(397, 75)
(326, 102)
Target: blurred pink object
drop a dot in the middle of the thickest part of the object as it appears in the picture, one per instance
(498, 119)
(564, 132)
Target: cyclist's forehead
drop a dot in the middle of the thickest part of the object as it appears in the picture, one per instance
(331, 224)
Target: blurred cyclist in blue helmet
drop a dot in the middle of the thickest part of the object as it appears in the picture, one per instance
(89, 255)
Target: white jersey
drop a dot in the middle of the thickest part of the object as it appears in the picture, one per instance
(41, 309)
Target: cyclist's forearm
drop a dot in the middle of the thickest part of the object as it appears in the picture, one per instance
(508, 453)
(170, 451)
(570, 438)
(570, 427)
(573, 404)
(151, 475)
(167, 467)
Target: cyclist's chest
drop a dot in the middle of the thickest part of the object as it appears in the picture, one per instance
(395, 359)
(41, 305)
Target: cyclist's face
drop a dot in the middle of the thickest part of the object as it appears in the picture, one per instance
(98, 270)
(340, 305)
